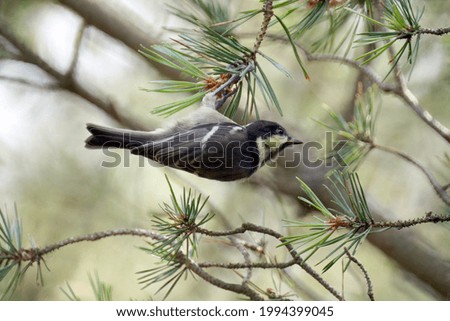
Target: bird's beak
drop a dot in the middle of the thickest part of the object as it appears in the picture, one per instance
(294, 141)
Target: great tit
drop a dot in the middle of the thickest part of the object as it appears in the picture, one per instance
(205, 143)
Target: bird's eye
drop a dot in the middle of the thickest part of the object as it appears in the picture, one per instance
(279, 131)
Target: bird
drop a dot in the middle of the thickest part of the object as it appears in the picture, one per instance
(205, 143)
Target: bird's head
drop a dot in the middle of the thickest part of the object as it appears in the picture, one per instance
(271, 138)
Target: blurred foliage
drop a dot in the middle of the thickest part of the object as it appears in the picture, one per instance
(358, 133)
(102, 291)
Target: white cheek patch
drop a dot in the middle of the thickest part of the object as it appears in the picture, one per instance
(275, 141)
(262, 150)
(268, 148)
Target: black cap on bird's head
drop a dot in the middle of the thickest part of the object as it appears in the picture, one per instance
(273, 134)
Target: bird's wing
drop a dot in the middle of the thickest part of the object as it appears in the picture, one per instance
(188, 150)
(199, 117)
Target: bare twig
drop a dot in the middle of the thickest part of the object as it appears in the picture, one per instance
(299, 261)
(436, 32)
(268, 14)
(400, 91)
(100, 235)
(429, 218)
(440, 190)
(364, 271)
(236, 288)
(36, 254)
(411, 100)
(366, 70)
(246, 256)
(252, 265)
(77, 47)
(308, 269)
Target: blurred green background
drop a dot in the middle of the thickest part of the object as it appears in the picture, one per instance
(61, 190)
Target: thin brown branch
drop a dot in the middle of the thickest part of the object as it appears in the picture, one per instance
(258, 248)
(252, 265)
(268, 14)
(413, 253)
(308, 269)
(224, 91)
(366, 70)
(429, 218)
(98, 236)
(235, 231)
(439, 189)
(236, 288)
(36, 254)
(402, 91)
(246, 256)
(76, 53)
(299, 261)
(364, 271)
(412, 101)
(436, 31)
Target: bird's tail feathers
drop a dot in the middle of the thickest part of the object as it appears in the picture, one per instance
(111, 137)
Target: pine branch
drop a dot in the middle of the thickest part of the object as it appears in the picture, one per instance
(300, 262)
(266, 231)
(36, 255)
(405, 24)
(399, 89)
(350, 213)
(268, 14)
